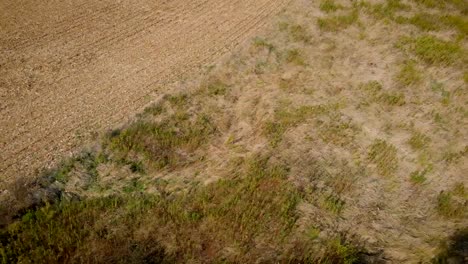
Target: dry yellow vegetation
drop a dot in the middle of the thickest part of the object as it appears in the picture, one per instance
(337, 135)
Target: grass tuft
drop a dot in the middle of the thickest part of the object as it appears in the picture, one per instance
(329, 6)
(387, 9)
(419, 141)
(164, 143)
(214, 87)
(334, 204)
(338, 22)
(299, 33)
(263, 43)
(286, 118)
(295, 56)
(409, 74)
(393, 99)
(451, 205)
(384, 156)
(419, 177)
(433, 50)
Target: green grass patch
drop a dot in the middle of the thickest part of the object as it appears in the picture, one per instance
(388, 9)
(164, 143)
(263, 43)
(153, 110)
(295, 56)
(436, 22)
(433, 50)
(453, 203)
(418, 177)
(338, 22)
(374, 93)
(178, 100)
(455, 156)
(393, 99)
(431, 3)
(384, 156)
(419, 141)
(214, 86)
(299, 33)
(438, 87)
(373, 88)
(329, 6)
(287, 118)
(85, 163)
(336, 129)
(409, 74)
(424, 21)
(334, 204)
(444, 4)
(456, 22)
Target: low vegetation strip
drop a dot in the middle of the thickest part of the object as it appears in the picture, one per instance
(250, 214)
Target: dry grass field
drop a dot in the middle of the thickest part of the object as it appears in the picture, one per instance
(336, 134)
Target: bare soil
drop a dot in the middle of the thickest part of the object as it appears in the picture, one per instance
(71, 67)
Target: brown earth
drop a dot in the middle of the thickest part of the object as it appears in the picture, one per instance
(71, 67)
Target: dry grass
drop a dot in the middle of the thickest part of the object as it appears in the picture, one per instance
(314, 143)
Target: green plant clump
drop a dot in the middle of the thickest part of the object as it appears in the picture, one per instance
(338, 22)
(433, 50)
(384, 156)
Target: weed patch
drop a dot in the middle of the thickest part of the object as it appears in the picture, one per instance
(387, 9)
(409, 74)
(394, 99)
(384, 156)
(337, 129)
(374, 93)
(295, 56)
(164, 143)
(263, 43)
(419, 140)
(334, 204)
(85, 162)
(299, 33)
(329, 6)
(214, 87)
(419, 177)
(287, 118)
(453, 157)
(338, 22)
(452, 203)
(433, 50)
